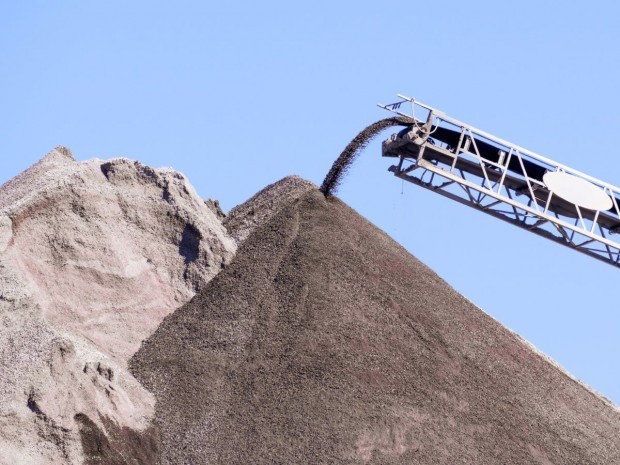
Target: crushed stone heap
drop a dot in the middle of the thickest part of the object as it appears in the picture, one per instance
(324, 341)
(93, 255)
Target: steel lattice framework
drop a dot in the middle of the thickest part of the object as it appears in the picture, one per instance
(499, 178)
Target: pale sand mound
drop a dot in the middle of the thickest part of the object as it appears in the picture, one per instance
(93, 256)
(325, 342)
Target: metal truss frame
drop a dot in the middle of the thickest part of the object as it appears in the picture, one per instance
(507, 185)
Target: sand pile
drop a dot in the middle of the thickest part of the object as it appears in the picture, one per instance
(324, 341)
(93, 256)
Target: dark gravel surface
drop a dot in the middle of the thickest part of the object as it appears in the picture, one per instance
(325, 342)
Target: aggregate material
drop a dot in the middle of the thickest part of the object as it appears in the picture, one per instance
(93, 255)
(325, 342)
(139, 325)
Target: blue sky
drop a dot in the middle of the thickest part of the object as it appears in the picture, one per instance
(237, 95)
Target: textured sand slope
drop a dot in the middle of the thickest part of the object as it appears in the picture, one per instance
(93, 256)
(324, 341)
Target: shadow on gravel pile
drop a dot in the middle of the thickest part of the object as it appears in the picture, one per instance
(117, 446)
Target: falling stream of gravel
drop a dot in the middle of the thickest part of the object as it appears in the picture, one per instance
(352, 150)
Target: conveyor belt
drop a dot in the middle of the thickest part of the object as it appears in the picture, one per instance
(504, 180)
(491, 152)
(404, 144)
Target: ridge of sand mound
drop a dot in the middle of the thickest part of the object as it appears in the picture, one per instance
(48, 171)
(324, 341)
(93, 255)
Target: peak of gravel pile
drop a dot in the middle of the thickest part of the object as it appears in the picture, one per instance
(93, 255)
(244, 218)
(324, 341)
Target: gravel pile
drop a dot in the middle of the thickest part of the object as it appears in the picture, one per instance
(324, 341)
